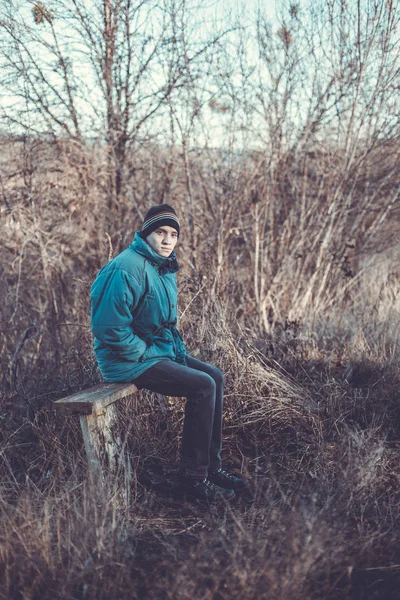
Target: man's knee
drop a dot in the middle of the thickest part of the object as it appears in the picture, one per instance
(208, 383)
(217, 376)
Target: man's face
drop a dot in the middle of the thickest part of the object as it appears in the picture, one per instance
(163, 240)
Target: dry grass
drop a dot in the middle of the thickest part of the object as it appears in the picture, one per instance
(312, 414)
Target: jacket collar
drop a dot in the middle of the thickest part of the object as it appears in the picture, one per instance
(164, 265)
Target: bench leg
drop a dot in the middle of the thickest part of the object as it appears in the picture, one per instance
(104, 448)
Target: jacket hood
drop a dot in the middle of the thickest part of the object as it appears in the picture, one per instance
(165, 264)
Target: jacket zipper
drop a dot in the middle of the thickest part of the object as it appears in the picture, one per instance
(168, 298)
(169, 316)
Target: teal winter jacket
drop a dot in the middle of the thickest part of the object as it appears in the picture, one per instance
(134, 313)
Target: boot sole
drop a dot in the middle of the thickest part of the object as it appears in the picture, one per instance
(237, 489)
(184, 495)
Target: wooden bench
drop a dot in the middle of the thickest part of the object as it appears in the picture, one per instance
(97, 413)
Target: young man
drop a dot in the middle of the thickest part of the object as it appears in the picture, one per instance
(134, 317)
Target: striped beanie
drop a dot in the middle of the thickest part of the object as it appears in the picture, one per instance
(157, 216)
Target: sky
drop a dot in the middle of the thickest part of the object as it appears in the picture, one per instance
(208, 13)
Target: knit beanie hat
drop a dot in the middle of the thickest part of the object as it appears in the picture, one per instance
(157, 216)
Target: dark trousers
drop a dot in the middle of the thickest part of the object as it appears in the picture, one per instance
(203, 386)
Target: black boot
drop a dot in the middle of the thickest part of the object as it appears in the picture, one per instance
(202, 490)
(227, 481)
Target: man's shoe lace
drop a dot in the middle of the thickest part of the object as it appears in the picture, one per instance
(223, 479)
(212, 486)
(208, 484)
(224, 474)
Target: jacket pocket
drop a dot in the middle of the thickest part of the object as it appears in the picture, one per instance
(159, 348)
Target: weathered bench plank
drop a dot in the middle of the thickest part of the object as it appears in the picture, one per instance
(91, 400)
